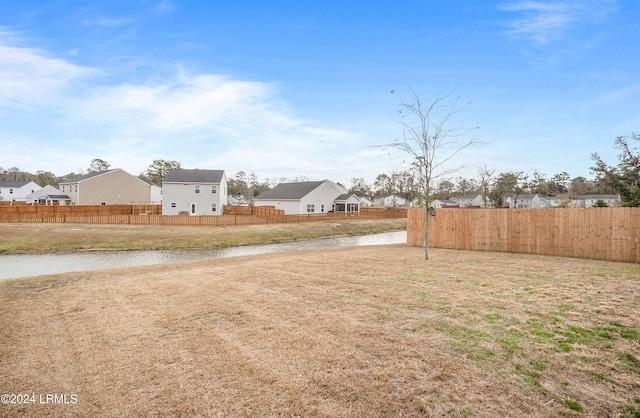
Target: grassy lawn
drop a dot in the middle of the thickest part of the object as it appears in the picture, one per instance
(64, 237)
(349, 332)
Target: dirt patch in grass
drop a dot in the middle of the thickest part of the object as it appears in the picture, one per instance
(349, 332)
(64, 237)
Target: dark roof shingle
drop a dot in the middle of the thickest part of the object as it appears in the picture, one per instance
(180, 175)
(289, 191)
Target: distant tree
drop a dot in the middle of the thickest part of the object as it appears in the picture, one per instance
(465, 186)
(511, 183)
(624, 178)
(581, 186)
(559, 183)
(382, 185)
(14, 174)
(360, 187)
(68, 176)
(46, 178)
(539, 184)
(600, 204)
(158, 170)
(444, 189)
(485, 175)
(238, 184)
(98, 165)
(256, 185)
(431, 138)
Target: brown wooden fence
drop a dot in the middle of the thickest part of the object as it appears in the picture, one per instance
(84, 210)
(597, 233)
(126, 214)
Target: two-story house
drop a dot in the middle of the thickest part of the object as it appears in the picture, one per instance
(110, 187)
(194, 192)
(17, 190)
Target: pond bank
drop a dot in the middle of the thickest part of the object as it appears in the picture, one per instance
(28, 265)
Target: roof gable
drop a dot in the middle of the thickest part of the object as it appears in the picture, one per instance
(347, 196)
(180, 175)
(88, 176)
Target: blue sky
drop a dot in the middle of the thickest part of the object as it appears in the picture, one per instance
(303, 88)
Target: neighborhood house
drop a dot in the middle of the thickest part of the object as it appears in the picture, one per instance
(110, 187)
(309, 197)
(194, 192)
(16, 190)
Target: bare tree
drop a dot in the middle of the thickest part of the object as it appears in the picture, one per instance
(432, 138)
(485, 174)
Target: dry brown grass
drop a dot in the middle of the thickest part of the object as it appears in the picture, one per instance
(25, 237)
(351, 332)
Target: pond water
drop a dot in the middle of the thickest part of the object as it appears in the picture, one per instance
(28, 265)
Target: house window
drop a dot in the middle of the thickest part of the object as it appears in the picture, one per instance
(174, 205)
(214, 189)
(103, 203)
(322, 208)
(213, 207)
(197, 188)
(76, 188)
(311, 208)
(10, 191)
(62, 189)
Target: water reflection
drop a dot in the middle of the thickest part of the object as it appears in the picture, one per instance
(27, 265)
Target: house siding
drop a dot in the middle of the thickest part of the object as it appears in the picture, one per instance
(290, 207)
(114, 187)
(322, 198)
(183, 195)
(324, 194)
(15, 191)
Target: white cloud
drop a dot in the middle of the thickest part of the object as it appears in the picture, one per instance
(544, 21)
(29, 76)
(200, 120)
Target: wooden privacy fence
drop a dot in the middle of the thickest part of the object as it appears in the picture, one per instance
(28, 211)
(596, 233)
(233, 215)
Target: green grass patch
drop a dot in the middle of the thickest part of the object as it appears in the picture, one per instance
(573, 405)
(630, 360)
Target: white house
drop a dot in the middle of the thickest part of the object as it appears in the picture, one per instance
(469, 200)
(365, 201)
(444, 203)
(40, 195)
(309, 197)
(194, 192)
(395, 201)
(588, 201)
(528, 201)
(17, 190)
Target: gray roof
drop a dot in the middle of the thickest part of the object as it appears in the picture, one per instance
(599, 196)
(181, 175)
(289, 191)
(346, 196)
(13, 183)
(87, 176)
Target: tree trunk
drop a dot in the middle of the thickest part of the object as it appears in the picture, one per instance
(426, 233)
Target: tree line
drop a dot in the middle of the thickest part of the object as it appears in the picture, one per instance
(622, 178)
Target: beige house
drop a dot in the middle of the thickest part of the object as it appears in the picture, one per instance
(111, 187)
